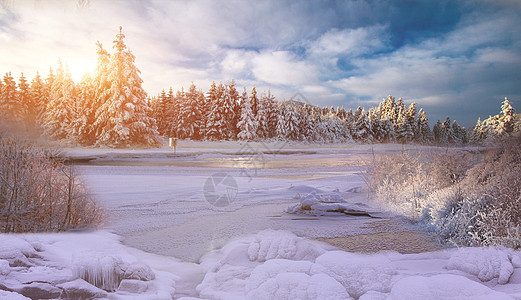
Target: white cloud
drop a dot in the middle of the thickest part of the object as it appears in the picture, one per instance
(282, 68)
(350, 42)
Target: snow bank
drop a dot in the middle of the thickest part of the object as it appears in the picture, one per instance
(299, 286)
(444, 286)
(485, 263)
(326, 204)
(356, 272)
(271, 244)
(269, 265)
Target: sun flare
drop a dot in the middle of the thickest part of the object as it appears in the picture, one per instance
(78, 67)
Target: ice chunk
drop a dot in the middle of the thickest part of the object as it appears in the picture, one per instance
(486, 263)
(299, 286)
(356, 272)
(443, 286)
(101, 270)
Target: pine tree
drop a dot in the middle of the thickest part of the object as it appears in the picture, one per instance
(38, 101)
(404, 132)
(215, 117)
(233, 100)
(247, 124)
(362, 126)
(11, 109)
(59, 111)
(190, 115)
(84, 112)
(24, 98)
(423, 134)
(123, 115)
(479, 134)
(507, 119)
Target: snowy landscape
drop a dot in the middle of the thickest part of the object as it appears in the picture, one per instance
(300, 226)
(254, 150)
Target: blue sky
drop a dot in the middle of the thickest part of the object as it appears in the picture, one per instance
(455, 58)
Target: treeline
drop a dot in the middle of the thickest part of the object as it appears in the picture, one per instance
(108, 108)
(111, 108)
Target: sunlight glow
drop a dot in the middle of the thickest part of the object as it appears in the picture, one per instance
(78, 68)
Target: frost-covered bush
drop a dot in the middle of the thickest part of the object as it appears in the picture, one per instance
(40, 193)
(469, 199)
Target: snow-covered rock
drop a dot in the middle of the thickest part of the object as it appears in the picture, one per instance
(80, 289)
(486, 263)
(4, 267)
(356, 272)
(443, 286)
(138, 271)
(133, 286)
(12, 296)
(40, 290)
(318, 205)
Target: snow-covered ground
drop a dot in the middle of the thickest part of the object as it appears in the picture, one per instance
(236, 221)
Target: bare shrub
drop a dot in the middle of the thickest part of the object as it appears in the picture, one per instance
(38, 193)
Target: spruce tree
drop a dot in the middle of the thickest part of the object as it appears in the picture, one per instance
(38, 101)
(59, 112)
(11, 109)
(247, 124)
(123, 116)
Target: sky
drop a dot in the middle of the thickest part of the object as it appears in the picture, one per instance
(453, 58)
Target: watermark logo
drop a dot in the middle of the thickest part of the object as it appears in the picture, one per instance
(220, 189)
(300, 98)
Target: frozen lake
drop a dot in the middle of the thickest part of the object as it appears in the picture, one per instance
(163, 203)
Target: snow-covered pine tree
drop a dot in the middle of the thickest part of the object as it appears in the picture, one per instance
(254, 101)
(281, 122)
(159, 112)
(172, 107)
(123, 116)
(59, 112)
(423, 134)
(306, 123)
(479, 134)
(404, 132)
(412, 119)
(375, 121)
(38, 102)
(362, 126)
(190, 115)
(507, 119)
(234, 116)
(247, 124)
(11, 109)
(215, 116)
(24, 98)
(84, 112)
